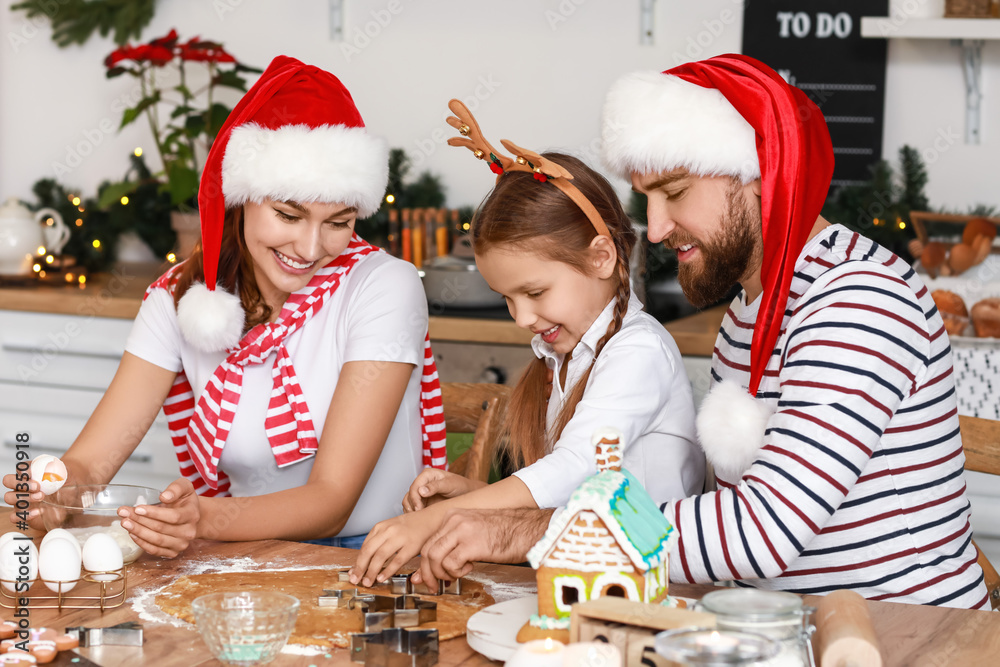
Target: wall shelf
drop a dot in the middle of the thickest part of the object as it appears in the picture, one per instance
(966, 33)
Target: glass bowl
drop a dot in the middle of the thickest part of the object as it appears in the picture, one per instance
(247, 628)
(85, 509)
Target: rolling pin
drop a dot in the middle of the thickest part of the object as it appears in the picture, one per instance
(844, 633)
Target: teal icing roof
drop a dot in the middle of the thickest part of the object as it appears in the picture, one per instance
(638, 525)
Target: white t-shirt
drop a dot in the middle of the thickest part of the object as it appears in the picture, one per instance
(638, 386)
(378, 313)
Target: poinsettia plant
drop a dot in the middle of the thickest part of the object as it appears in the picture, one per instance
(181, 104)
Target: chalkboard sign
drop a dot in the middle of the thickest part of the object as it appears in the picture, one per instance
(818, 47)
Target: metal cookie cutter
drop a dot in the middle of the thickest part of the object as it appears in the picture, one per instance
(395, 647)
(123, 634)
(402, 585)
(380, 612)
(337, 598)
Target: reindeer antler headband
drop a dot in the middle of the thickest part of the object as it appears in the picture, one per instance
(544, 170)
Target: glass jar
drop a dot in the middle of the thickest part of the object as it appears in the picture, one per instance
(709, 646)
(780, 616)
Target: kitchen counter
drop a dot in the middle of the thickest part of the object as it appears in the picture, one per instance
(119, 293)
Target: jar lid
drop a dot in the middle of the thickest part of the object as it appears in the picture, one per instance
(752, 604)
(708, 646)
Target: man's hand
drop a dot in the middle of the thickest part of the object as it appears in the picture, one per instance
(466, 536)
(168, 528)
(433, 485)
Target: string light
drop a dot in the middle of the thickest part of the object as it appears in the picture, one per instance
(82, 279)
(69, 277)
(41, 250)
(390, 198)
(49, 222)
(96, 243)
(76, 201)
(465, 226)
(902, 225)
(49, 259)
(138, 151)
(36, 268)
(171, 257)
(41, 274)
(124, 201)
(79, 222)
(80, 209)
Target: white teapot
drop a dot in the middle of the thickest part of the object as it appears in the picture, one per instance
(22, 234)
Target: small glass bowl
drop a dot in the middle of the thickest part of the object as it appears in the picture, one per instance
(246, 628)
(709, 646)
(85, 509)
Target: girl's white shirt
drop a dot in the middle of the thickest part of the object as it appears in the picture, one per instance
(638, 386)
(379, 313)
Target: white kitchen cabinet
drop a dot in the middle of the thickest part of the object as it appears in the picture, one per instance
(53, 371)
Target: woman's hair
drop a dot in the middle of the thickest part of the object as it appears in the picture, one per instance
(540, 218)
(235, 271)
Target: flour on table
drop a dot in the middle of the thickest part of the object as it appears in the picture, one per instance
(500, 591)
(144, 599)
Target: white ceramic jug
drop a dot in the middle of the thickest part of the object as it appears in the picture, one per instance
(22, 233)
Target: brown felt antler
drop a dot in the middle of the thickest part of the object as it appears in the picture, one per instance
(544, 170)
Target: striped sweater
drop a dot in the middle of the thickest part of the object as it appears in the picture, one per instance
(859, 483)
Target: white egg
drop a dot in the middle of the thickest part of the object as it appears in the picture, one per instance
(14, 549)
(62, 534)
(59, 561)
(102, 554)
(49, 472)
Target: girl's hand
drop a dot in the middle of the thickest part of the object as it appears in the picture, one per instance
(433, 485)
(390, 544)
(24, 491)
(168, 528)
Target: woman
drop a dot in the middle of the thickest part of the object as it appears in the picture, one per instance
(287, 353)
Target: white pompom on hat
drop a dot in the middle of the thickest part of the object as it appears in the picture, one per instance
(295, 136)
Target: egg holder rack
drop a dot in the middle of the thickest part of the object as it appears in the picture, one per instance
(92, 594)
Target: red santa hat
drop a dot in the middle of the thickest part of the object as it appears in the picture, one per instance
(731, 116)
(295, 136)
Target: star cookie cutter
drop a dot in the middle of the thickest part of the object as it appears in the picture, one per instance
(401, 584)
(123, 634)
(395, 647)
(381, 612)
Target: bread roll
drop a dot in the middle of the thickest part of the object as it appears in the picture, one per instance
(953, 311)
(977, 227)
(986, 317)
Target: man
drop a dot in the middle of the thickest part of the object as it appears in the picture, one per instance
(832, 423)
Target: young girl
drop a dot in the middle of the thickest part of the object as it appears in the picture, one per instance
(287, 353)
(558, 250)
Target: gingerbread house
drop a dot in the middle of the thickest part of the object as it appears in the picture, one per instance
(611, 540)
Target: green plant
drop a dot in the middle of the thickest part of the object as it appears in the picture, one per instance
(424, 192)
(880, 208)
(184, 120)
(74, 21)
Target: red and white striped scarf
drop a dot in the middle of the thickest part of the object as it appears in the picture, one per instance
(199, 431)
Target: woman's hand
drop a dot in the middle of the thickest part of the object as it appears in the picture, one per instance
(433, 485)
(390, 544)
(168, 528)
(26, 492)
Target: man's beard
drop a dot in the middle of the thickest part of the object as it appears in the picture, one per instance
(726, 257)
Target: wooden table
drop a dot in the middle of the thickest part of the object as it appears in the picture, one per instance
(910, 634)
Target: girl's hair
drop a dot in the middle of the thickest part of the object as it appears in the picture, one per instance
(539, 218)
(235, 271)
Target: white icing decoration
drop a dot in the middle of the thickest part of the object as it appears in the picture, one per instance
(548, 623)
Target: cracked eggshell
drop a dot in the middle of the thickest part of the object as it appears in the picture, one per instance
(50, 473)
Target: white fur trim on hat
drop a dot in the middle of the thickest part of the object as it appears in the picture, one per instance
(731, 425)
(211, 321)
(329, 163)
(654, 122)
